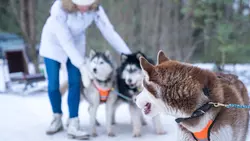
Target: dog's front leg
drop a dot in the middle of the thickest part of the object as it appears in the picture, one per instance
(96, 121)
(93, 110)
(110, 109)
(183, 134)
(115, 106)
(158, 125)
(113, 115)
(143, 121)
(136, 120)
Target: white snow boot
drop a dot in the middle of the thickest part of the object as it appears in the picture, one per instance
(74, 130)
(56, 124)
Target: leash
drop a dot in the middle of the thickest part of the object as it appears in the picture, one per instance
(123, 96)
(238, 106)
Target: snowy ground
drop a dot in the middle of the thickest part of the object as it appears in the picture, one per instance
(25, 118)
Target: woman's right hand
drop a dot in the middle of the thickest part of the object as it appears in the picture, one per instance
(86, 75)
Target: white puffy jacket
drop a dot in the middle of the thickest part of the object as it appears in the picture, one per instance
(63, 35)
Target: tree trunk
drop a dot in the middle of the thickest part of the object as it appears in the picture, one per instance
(32, 34)
(223, 58)
(158, 27)
(28, 26)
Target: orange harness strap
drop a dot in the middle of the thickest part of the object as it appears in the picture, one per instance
(203, 135)
(104, 94)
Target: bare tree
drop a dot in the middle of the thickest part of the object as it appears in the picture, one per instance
(24, 12)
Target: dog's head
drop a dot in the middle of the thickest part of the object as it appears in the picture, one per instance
(173, 87)
(131, 70)
(100, 65)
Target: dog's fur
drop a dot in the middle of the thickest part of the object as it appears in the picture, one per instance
(175, 88)
(233, 81)
(103, 71)
(129, 82)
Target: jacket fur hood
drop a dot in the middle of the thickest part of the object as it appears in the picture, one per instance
(69, 6)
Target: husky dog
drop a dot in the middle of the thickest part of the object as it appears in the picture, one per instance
(129, 82)
(100, 90)
(189, 93)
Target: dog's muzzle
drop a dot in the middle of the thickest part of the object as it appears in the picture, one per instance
(148, 104)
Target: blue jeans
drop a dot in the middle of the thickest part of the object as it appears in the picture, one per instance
(74, 80)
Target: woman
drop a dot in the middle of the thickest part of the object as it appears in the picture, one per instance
(63, 41)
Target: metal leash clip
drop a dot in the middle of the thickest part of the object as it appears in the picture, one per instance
(218, 104)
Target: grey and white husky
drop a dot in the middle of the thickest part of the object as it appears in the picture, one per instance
(100, 90)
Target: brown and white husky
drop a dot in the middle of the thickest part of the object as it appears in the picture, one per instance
(186, 92)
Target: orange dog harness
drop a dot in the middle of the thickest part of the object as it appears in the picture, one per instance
(203, 135)
(104, 94)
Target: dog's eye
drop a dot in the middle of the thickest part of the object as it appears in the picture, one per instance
(101, 62)
(134, 70)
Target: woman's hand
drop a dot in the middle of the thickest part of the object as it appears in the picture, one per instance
(87, 77)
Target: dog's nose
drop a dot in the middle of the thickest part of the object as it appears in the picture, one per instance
(134, 99)
(95, 70)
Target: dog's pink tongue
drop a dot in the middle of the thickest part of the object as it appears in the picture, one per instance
(147, 108)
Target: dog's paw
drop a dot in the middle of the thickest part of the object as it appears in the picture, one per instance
(161, 132)
(136, 135)
(111, 134)
(113, 123)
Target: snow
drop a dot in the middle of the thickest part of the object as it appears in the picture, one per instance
(26, 117)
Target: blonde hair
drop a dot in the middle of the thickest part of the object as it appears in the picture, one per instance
(70, 7)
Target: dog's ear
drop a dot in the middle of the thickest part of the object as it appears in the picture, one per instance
(161, 57)
(108, 54)
(92, 53)
(124, 57)
(146, 66)
(139, 54)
